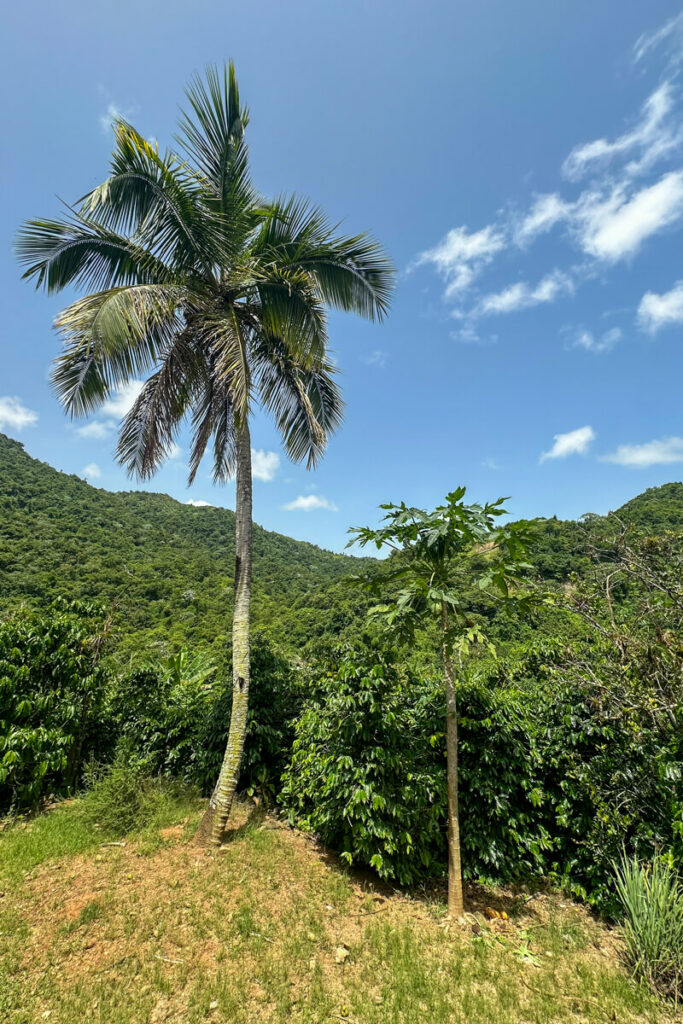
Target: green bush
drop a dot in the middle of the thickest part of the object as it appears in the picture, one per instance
(175, 718)
(651, 897)
(363, 775)
(121, 799)
(52, 690)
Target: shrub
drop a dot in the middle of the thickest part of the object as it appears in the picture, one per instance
(363, 775)
(175, 718)
(651, 897)
(52, 689)
(121, 799)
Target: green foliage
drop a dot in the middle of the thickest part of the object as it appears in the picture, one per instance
(434, 566)
(162, 569)
(363, 776)
(504, 833)
(651, 897)
(174, 718)
(52, 688)
(121, 798)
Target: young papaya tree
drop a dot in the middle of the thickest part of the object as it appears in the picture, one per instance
(438, 558)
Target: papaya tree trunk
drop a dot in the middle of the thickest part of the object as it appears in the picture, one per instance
(455, 895)
(213, 825)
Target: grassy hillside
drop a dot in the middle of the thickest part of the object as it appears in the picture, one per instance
(269, 928)
(164, 567)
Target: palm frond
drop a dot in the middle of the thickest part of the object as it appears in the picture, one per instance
(304, 400)
(159, 200)
(110, 337)
(78, 251)
(223, 340)
(289, 307)
(213, 416)
(352, 272)
(148, 431)
(212, 134)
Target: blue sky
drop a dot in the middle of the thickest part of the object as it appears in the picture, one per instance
(523, 165)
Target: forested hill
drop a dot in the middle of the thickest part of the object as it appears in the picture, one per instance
(166, 568)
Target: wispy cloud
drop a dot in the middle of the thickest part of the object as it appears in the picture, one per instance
(522, 295)
(546, 211)
(96, 430)
(121, 402)
(631, 197)
(652, 453)
(264, 465)
(14, 415)
(309, 502)
(91, 472)
(377, 358)
(614, 227)
(574, 442)
(669, 35)
(461, 255)
(657, 311)
(653, 137)
(595, 343)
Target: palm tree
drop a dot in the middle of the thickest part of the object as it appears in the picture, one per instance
(219, 299)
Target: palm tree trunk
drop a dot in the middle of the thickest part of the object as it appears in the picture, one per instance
(455, 896)
(221, 801)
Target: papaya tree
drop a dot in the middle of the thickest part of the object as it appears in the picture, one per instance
(438, 559)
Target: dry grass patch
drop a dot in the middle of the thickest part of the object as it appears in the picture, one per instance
(270, 929)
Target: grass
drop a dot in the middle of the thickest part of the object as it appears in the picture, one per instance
(652, 899)
(270, 929)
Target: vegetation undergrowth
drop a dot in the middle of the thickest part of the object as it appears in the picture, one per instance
(120, 802)
(652, 900)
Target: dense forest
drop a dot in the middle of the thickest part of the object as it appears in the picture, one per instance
(164, 569)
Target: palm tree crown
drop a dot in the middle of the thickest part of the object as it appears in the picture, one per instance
(213, 295)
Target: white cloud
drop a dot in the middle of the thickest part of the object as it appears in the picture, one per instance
(652, 453)
(91, 472)
(15, 415)
(113, 113)
(308, 502)
(175, 451)
(461, 255)
(121, 402)
(264, 465)
(490, 464)
(574, 442)
(650, 140)
(377, 358)
(657, 311)
(670, 32)
(95, 429)
(615, 227)
(522, 295)
(199, 503)
(597, 343)
(547, 211)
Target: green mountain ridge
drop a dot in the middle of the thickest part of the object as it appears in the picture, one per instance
(165, 568)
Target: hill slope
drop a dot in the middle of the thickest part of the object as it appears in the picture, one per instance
(164, 566)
